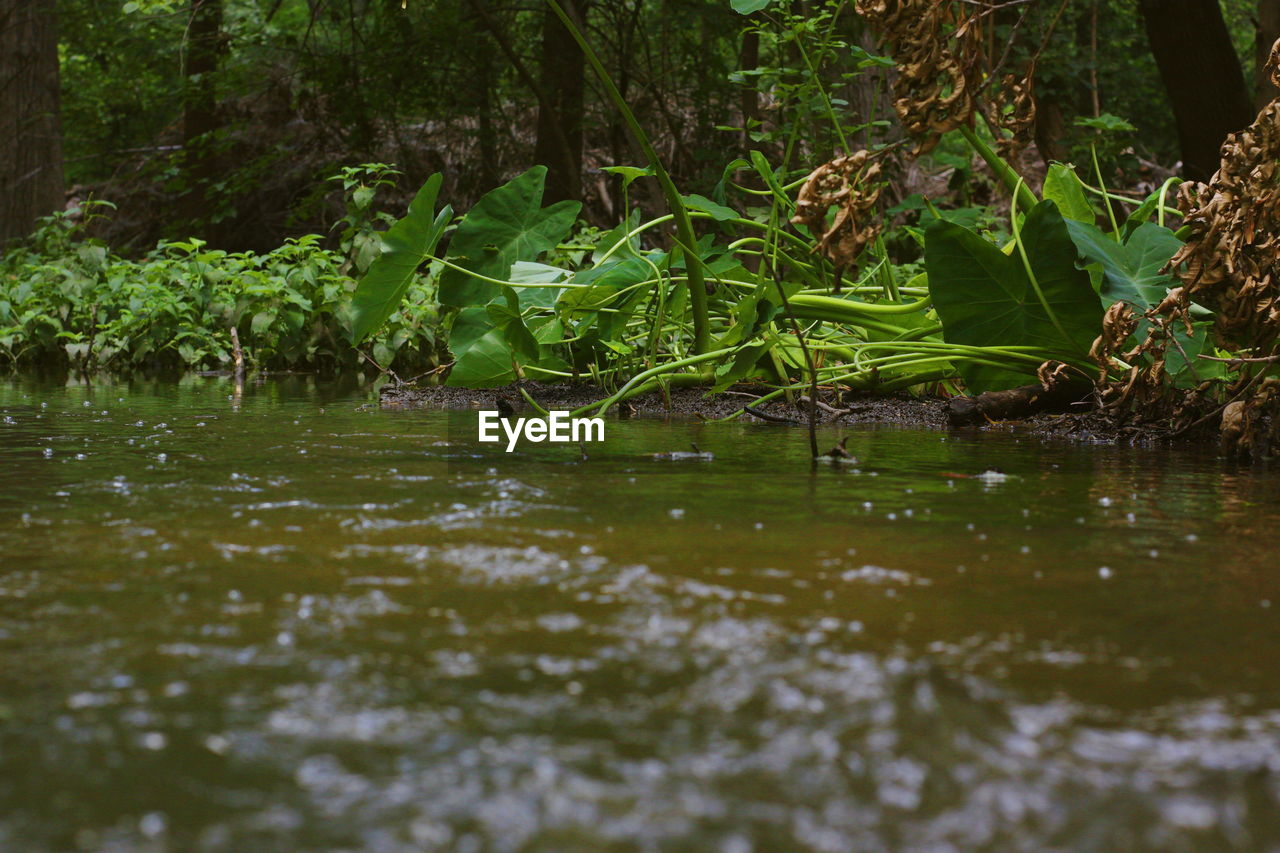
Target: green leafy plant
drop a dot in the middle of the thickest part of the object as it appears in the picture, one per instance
(67, 302)
(404, 248)
(1034, 300)
(358, 237)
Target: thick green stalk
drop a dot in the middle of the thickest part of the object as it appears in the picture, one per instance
(1106, 197)
(686, 238)
(1024, 199)
(851, 308)
(670, 367)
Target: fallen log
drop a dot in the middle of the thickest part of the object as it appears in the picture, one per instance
(1017, 403)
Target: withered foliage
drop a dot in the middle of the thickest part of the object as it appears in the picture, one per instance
(1054, 374)
(1229, 264)
(941, 68)
(1249, 425)
(1232, 254)
(1014, 110)
(852, 185)
(937, 75)
(1145, 382)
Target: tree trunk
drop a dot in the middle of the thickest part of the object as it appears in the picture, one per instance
(200, 109)
(1050, 130)
(748, 97)
(487, 168)
(31, 183)
(1202, 75)
(1268, 21)
(560, 114)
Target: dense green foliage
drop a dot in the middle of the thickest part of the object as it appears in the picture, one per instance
(68, 302)
(621, 315)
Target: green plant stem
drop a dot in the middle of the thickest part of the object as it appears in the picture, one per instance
(822, 92)
(537, 407)
(853, 319)
(1162, 208)
(1023, 198)
(669, 367)
(1164, 193)
(697, 214)
(837, 306)
(1106, 197)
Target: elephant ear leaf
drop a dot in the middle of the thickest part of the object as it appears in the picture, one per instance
(986, 298)
(405, 247)
(1065, 189)
(1133, 271)
(507, 225)
(482, 356)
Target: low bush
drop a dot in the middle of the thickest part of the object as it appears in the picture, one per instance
(68, 302)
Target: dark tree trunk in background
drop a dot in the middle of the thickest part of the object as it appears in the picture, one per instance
(868, 93)
(1268, 21)
(200, 109)
(1050, 130)
(559, 143)
(1202, 74)
(626, 25)
(1076, 95)
(484, 76)
(31, 182)
(749, 98)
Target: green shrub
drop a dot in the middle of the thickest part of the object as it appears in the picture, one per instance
(67, 302)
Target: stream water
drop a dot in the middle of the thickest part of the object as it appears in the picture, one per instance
(289, 620)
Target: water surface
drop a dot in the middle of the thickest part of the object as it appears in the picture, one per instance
(288, 620)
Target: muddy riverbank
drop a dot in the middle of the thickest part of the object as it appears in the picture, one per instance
(742, 403)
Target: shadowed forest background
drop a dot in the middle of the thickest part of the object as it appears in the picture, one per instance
(227, 119)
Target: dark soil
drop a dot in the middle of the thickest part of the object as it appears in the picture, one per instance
(685, 403)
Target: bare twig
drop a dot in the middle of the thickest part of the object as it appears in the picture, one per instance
(381, 369)
(773, 419)
(237, 354)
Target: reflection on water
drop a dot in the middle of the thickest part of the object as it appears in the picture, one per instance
(292, 621)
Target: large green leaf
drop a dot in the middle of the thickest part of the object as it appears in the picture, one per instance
(701, 203)
(531, 272)
(619, 242)
(1131, 271)
(516, 333)
(599, 286)
(1182, 362)
(985, 298)
(507, 225)
(1064, 188)
(405, 246)
(482, 356)
(611, 295)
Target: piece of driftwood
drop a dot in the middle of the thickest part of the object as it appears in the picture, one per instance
(1016, 403)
